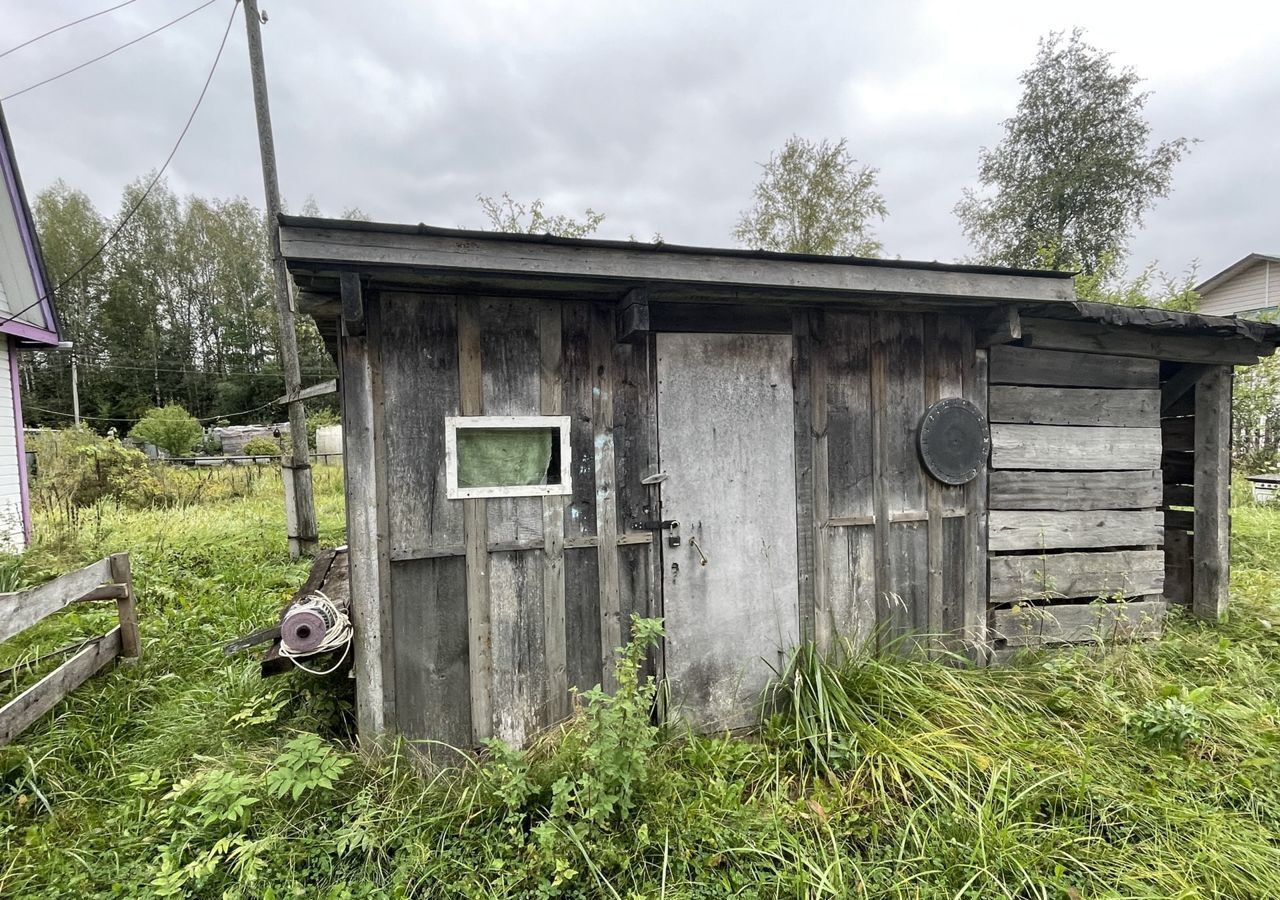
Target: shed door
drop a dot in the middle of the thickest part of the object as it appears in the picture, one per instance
(725, 436)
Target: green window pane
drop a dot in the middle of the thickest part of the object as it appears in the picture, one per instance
(506, 457)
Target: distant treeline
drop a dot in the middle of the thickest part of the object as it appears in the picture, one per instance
(179, 308)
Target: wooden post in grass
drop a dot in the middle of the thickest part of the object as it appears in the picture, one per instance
(126, 606)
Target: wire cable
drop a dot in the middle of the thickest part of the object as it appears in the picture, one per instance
(59, 412)
(124, 46)
(150, 187)
(41, 37)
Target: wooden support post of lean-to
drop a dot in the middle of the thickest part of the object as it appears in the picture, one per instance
(106, 579)
(300, 511)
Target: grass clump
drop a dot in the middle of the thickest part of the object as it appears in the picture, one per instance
(1143, 770)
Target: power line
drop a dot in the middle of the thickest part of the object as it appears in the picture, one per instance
(59, 412)
(150, 187)
(108, 53)
(40, 37)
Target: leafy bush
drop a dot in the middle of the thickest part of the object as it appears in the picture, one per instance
(171, 428)
(261, 446)
(76, 468)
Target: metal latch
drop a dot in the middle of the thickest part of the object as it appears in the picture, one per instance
(670, 526)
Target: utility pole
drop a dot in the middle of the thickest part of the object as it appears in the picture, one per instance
(299, 504)
(75, 388)
(75, 379)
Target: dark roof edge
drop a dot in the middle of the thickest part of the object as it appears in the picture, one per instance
(28, 223)
(1156, 320)
(644, 246)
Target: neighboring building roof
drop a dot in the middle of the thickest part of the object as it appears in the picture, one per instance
(27, 310)
(1233, 270)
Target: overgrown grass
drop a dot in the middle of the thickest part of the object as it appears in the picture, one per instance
(1142, 771)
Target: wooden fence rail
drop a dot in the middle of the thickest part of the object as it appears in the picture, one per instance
(106, 579)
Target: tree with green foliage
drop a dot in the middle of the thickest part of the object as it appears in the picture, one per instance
(1150, 287)
(814, 198)
(178, 309)
(513, 217)
(171, 428)
(1075, 172)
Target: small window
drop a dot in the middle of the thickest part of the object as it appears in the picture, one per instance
(506, 456)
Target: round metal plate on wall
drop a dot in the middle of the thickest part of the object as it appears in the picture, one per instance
(954, 440)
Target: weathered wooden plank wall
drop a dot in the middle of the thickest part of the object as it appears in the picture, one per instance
(495, 605)
(894, 549)
(1075, 467)
(1177, 429)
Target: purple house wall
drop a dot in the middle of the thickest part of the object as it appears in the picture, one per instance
(34, 326)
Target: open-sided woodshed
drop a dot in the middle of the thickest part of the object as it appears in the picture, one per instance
(544, 436)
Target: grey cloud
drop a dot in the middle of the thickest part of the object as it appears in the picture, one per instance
(656, 114)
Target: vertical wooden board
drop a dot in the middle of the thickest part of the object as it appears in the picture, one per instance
(635, 431)
(432, 675)
(1212, 494)
(956, 560)
(633, 582)
(475, 529)
(582, 617)
(369, 593)
(901, 335)
(601, 352)
(550, 327)
(1179, 547)
(850, 555)
(898, 341)
(908, 587)
(846, 337)
(975, 583)
(510, 369)
(804, 360)
(579, 377)
(417, 339)
(519, 664)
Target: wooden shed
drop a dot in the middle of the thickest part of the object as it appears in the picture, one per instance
(544, 436)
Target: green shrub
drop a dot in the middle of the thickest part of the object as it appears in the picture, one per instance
(261, 446)
(171, 428)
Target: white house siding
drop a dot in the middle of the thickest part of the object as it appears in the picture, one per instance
(12, 536)
(1248, 291)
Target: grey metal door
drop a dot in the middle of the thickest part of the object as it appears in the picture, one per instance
(725, 441)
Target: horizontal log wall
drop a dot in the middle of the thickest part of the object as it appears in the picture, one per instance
(1075, 496)
(499, 607)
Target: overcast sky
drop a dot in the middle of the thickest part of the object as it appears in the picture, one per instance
(656, 113)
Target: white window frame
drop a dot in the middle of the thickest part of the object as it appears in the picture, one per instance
(488, 423)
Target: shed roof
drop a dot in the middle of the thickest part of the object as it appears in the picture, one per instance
(314, 246)
(317, 250)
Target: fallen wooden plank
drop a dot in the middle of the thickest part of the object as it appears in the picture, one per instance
(20, 712)
(22, 609)
(1070, 447)
(1082, 529)
(1022, 489)
(1029, 626)
(1056, 368)
(1127, 573)
(1074, 406)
